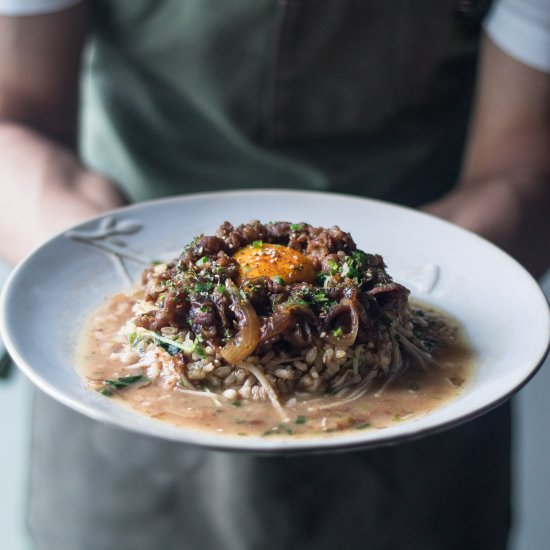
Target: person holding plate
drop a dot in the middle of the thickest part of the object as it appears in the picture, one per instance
(105, 101)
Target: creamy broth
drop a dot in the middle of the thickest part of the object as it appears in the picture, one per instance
(416, 393)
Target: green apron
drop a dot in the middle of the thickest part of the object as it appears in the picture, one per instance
(357, 96)
(360, 96)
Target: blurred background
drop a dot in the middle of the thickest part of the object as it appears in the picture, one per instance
(531, 465)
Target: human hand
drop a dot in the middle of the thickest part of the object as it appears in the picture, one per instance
(510, 212)
(503, 192)
(43, 190)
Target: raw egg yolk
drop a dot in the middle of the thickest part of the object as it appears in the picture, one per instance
(273, 260)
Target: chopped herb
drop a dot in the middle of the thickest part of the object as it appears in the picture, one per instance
(257, 244)
(280, 429)
(131, 379)
(204, 308)
(333, 265)
(170, 348)
(296, 226)
(237, 403)
(203, 260)
(300, 419)
(220, 289)
(125, 381)
(203, 287)
(156, 262)
(359, 257)
(278, 279)
(362, 426)
(121, 383)
(321, 279)
(397, 418)
(218, 269)
(320, 297)
(338, 333)
(200, 352)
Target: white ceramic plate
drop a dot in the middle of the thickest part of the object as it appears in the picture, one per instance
(503, 310)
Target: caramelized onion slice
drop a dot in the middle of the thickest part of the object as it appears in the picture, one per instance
(345, 307)
(288, 317)
(275, 325)
(300, 335)
(248, 335)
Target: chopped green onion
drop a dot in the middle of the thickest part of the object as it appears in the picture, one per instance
(321, 279)
(338, 333)
(296, 226)
(359, 257)
(300, 419)
(134, 338)
(278, 279)
(204, 287)
(257, 244)
(333, 265)
(188, 346)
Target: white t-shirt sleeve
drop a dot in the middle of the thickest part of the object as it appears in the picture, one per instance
(521, 28)
(34, 7)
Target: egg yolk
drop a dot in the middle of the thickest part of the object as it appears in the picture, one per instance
(273, 260)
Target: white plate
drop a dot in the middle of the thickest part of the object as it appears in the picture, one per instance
(49, 295)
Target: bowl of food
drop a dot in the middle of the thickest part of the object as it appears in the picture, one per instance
(323, 322)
